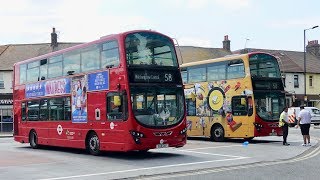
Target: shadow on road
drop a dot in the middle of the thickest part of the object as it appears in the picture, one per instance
(235, 140)
(131, 155)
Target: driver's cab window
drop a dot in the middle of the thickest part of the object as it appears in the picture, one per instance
(239, 106)
(116, 106)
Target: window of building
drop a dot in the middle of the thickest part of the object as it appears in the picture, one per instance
(310, 81)
(283, 79)
(1, 80)
(296, 81)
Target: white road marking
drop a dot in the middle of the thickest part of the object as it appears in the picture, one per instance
(212, 147)
(313, 153)
(213, 154)
(143, 169)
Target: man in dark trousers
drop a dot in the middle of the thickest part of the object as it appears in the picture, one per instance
(283, 122)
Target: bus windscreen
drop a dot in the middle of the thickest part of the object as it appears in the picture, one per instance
(145, 48)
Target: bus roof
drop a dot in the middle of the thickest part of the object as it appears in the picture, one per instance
(228, 57)
(102, 39)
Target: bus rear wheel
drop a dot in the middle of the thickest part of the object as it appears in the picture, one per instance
(217, 133)
(33, 139)
(93, 144)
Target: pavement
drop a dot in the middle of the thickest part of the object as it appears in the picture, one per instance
(6, 134)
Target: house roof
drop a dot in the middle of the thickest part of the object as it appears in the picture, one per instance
(12, 53)
(291, 61)
(192, 54)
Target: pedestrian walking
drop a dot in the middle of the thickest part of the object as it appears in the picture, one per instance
(304, 121)
(284, 124)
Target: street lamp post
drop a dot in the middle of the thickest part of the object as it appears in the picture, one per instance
(305, 64)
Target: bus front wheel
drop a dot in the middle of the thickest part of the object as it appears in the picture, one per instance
(33, 139)
(93, 144)
(217, 133)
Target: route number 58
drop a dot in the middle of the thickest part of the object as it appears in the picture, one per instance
(167, 77)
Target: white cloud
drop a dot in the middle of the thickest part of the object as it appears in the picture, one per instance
(289, 23)
(13, 6)
(197, 4)
(82, 29)
(75, 21)
(234, 4)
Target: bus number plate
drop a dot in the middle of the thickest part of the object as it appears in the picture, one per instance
(162, 146)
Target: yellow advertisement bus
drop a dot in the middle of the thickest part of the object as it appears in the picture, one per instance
(238, 96)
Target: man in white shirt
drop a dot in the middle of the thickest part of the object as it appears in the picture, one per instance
(283, 123)
(304, 121)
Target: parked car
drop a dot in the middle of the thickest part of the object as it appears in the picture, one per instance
(293, 112)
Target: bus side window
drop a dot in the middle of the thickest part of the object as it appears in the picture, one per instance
(191, 106)
(184, 75)
(116, 106)
(24, 111)
(239, 106)
(33, 110)
(110, 54)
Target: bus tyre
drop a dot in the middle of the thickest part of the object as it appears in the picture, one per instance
(93, 144)
(217, 133)
(33, 139)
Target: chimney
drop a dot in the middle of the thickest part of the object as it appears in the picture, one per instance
(313, 47)
(226, 43)
(54, 38)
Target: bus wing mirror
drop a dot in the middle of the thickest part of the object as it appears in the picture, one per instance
(117, 100)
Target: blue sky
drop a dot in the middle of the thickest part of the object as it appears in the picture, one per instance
(269, 24)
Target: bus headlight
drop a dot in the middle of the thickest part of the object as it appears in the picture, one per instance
(258, 126)
(183, 131)
(136, 135)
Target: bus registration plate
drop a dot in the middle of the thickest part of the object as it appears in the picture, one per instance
(162, 146)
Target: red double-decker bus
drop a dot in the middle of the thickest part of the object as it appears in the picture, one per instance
(122, 92)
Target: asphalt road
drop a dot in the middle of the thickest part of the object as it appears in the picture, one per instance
(199, 159)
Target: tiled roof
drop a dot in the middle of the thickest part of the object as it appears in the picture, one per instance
(12, 53)
(292, 61)
(191, 54)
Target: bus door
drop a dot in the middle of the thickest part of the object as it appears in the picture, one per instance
(195, 123)
(239, 121)
(22, 129)
(117, 113)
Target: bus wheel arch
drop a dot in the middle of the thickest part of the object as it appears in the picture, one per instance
(93, 143)
(33, 139)
(217, 132)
